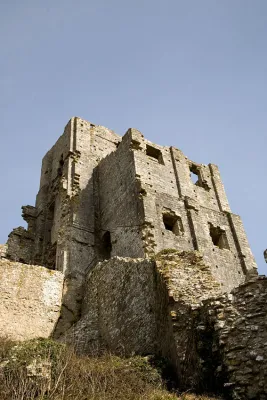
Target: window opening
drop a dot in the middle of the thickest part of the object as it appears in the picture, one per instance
(196, 178)
(173, 223)
(154, 153)
(60, 166)
(218, 237)
(49, 222)
(195, 175)
(48, 246)
(107, 245)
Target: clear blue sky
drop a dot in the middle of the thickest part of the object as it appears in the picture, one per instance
(189, 73)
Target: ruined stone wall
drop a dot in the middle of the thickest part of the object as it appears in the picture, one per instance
(189, 282)
(184, 215)
(101, 195)
(240, 339)
(148, 186)
(121, 214)
(173, 307)
(30, 300)
(91, 144)
(20, 245)
(62, 234)
(143, 306)
(77, 246)
(118, 310)
(220, 339)
(154, 167)
(3, 250)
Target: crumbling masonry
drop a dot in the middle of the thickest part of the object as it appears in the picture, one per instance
(124, 218)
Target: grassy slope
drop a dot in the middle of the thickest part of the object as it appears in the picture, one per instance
(46, 370)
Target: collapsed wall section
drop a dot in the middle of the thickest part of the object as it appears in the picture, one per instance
(119, 309)
(30, 300)
(173, 307)
(142, 306)
(240, 339)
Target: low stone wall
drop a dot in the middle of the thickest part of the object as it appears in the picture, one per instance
(30, 300)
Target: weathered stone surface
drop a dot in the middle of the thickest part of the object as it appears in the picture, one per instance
(189, 284)
(119, 308)
(172, 306)
(30, 300)
(189, 280)
(3, 250)
(240, 337)
(20, 245)
(143, 306)
(102, 195)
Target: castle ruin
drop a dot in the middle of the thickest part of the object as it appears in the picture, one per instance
(146, 242)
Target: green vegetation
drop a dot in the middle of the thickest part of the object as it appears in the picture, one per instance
(47, 370)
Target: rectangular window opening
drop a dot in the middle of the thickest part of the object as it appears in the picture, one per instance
(173, 223)
(106, 245)
(196, 178)
(195, 175)
(218, 237)
(154, 153)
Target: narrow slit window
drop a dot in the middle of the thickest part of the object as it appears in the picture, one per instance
(49, 222)
(173, 223)
(218, 237)
(107, 245)
(60, 166)
(154, 153)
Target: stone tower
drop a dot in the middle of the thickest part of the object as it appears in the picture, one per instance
(102, 195)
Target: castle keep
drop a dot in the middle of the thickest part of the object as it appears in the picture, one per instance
(102, 195)
(138, 238)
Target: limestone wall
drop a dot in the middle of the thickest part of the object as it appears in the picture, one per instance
(3, 250)
(184, 215)
(30, 300)
(189, 282)
(119, 308)
(120, 207)
(20, 245)
(220, 339)
(143, 305)
(240, 339)
(173, 307)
